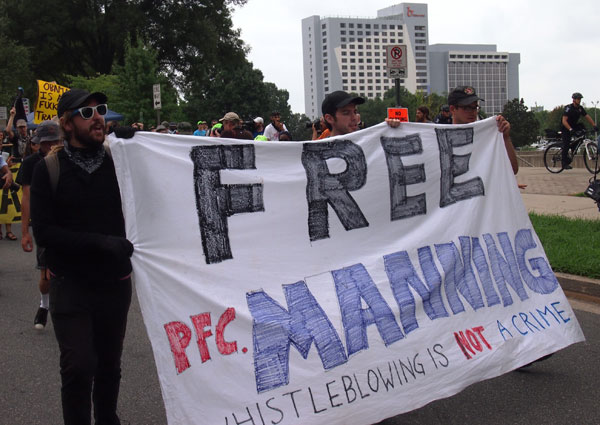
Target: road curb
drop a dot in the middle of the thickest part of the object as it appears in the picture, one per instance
(579, 284)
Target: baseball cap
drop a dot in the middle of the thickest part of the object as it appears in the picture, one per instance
(201, 122)
(445, 108)
(230, 116)
(47, 131)
(463, 95)
(259, 120)
(338, 99)
(21, 123)
(577, 95)
(76, 98)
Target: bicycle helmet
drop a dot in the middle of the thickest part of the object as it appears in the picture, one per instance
(577, 95)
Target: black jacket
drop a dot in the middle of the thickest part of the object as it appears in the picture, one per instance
(81, 225)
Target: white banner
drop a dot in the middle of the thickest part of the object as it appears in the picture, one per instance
(342, 281)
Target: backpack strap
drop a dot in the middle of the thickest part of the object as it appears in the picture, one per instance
(53, 170)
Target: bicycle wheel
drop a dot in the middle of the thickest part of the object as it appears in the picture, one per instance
(553, 158)
(590, 158)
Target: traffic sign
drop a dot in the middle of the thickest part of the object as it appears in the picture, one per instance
(396, 72)
(396, 56)
(156, 92)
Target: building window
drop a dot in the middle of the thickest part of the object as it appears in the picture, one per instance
(350, 25)
(323, 26)
(342, 25)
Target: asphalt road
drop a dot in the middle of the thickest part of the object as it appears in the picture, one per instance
(561, 390)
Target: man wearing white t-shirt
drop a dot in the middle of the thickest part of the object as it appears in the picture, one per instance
(272, 131)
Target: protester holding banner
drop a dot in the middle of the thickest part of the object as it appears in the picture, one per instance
(46, 136)
(76, 214)
(464, 106)
(340, 113)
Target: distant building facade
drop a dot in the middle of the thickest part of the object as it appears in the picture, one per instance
(493, 74)
(349, 53)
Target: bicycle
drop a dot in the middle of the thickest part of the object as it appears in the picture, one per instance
(579, 141)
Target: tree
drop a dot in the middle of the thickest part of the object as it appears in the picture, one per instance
(523, 125)
(15, 72)
(77, 37)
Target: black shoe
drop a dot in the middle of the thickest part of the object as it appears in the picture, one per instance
(567, 167)
(41, 318)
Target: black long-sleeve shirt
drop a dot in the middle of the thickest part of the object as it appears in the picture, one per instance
(81, 225)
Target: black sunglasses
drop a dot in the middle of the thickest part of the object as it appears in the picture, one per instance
(87, 112)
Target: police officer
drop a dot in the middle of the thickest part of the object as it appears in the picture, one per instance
(444, 116)
(570, 123)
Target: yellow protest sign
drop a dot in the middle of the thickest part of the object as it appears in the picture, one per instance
(48, 95)
(10, 202)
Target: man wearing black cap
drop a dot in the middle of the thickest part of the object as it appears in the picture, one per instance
(341, 115)
(76, 215)
(46, 135)
(464, 107)
(570, 123)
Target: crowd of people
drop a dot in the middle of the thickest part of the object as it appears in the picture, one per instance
(71, 199)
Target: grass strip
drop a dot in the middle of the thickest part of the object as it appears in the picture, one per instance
(571, 244)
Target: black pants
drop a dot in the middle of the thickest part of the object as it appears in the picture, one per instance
(90, 320)
(566, 139)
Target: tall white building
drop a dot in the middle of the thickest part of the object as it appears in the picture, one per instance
(349, 53)
(493, 74)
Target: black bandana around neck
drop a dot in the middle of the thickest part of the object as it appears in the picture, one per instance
(87, 159)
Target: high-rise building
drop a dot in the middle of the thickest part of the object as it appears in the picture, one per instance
(349, 53)
(493, 74)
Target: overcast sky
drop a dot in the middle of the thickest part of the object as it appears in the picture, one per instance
(559, 41)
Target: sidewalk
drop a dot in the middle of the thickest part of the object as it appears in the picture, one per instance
(548, 193)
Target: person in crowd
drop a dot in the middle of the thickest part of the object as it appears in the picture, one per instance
(6, 179)
(17, 142)
(77, 216)
(138, 126)
(259, 127)
(318, 128)
(20, 138)
(162, 129)
(275, 127)
(444, 116)
(111, 125)
(341, 114)
(464, 107)
(172, 127)
(185, 128)
(570, 123)
(216, 129)
(285, 136)
(46, 136)
(230, 121)
(422, 114)
(202, 128)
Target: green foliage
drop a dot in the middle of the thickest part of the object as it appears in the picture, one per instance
(15, 72)
(523, 125)
(240, 89)
(296, 124)
(572, 245)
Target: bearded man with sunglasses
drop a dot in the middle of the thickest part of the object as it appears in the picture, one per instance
(76, 215)
(464, 106)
